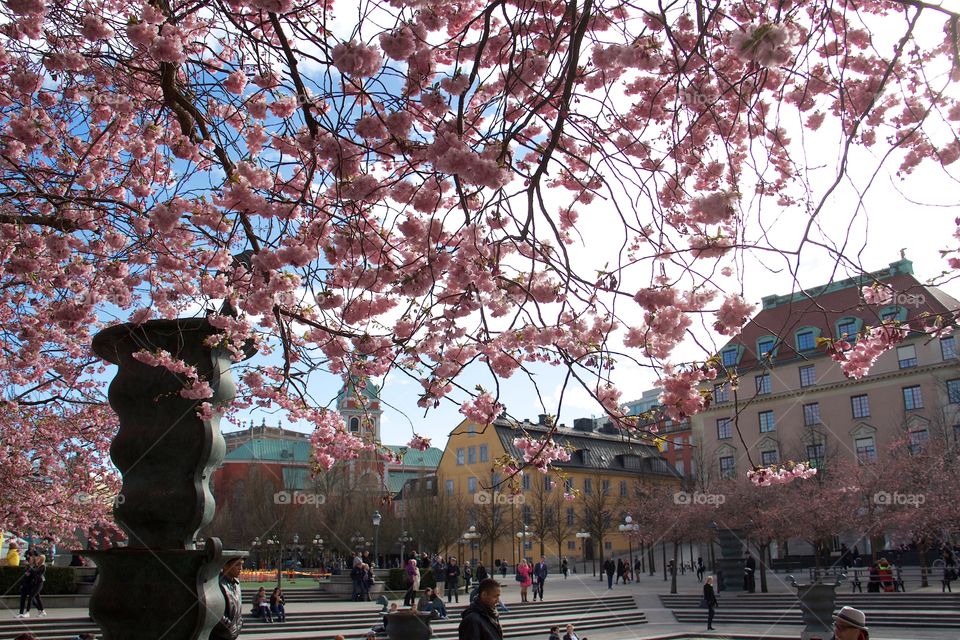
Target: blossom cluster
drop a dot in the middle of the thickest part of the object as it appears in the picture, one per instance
(483, 409)
(541, 453)
(857, 361)
(780, 474)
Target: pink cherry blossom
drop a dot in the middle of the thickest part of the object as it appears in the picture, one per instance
(733, 314)
(419, 443)
(356, 59)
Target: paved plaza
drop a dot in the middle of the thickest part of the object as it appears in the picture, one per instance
(647, 592)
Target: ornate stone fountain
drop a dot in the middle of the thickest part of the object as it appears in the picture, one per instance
(817, 602)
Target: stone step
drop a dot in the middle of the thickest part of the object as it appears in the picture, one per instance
(795, 618)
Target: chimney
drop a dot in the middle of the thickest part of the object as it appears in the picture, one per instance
(542, 419)
(583, 424)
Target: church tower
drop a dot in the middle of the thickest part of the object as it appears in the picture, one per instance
(359, 404)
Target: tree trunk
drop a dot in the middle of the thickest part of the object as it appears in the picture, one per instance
(673, 576)
(653, 569)
(922, 548)
(764, 551)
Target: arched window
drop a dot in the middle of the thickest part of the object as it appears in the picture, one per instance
(354, 425)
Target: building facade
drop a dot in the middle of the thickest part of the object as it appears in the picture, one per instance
(676, 440)
(534, 514)
(790, 401)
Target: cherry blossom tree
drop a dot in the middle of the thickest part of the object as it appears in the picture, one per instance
(404, 188)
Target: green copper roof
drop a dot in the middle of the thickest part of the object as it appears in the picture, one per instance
(900, 266)
(396, 479)
(351, 390)
(413, 458)
(288, 451)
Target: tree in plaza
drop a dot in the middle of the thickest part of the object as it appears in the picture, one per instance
(491, 512)
(409, 192)
(599, 510)
(557, 526)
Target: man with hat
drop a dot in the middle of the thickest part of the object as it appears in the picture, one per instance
(850, 624)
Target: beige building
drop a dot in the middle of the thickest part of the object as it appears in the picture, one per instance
(793, 402)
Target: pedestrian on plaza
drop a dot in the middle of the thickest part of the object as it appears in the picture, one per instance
(637, 569)
(413, 582)
(33, 582)
(26, 590)
(540, 572)
(554, 633)
(564, 567)
(467, 577)
(13, 555)
(525, 578)
(571, 634)
(503, 568)
(609, 568)
(439, 568)
(949, 571)
(452, 580)
(709, 601)
(850, 624)
(367, 580)
(479, 620)
(700, 569)
(228, 627)
(481, 573)
(277, 605)
(619, 571)
(749, 577)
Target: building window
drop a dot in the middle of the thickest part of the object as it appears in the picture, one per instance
(571, 516)
(815, 455)
(953, 391)
(605, 487)
(724, 428)
(918, 440)
(763, 383)
(847, 328)
(806, 341)
(607, 545)
(588, 486)
(623, 488)
(808, 375)
(665, 444)
(527, 514)
(907, 356)
(471, 429)
(472, 485)
(811, 414)
(861, 406)
(548, 483)
(721, 393)
(354, 425)
(571, 545)
(568, 485)
(471, 455)
(766, 422)
(727, 468)
(730, 358)
(484, 456)
(764, 347)
(526, 482)
(449, 486)
(912, 398)
(866, 450)
(948, 348)
(679, 466)
(769, 457)
(459, 456)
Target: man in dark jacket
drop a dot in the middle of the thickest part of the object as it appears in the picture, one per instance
(749, 576)
(610, 568)
(480, 620)
(539, 577)
(229, 626)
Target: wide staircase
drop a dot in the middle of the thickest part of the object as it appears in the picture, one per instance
(353, 621)
(906, 610)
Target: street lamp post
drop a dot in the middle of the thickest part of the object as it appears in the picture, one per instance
(376, 537)
(274, 543)
(628, 529)
(583, 536)
(295, 550)
(521, 538)
(471, 535)
(255, 547)
(404, 539)
(317, 549)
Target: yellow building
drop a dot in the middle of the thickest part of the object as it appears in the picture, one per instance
(536, 514)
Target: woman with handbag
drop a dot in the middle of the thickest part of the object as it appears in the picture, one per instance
(709, 601)
(413, 582)
(524, 572)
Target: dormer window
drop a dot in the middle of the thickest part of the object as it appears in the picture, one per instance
(765, 347)
(848, 328)
(730, 357)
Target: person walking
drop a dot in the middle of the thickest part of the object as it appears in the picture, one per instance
(481, 573)
(525, 578)
(452, 579)
(850, 624)
(564, 567)
(709, 601)
(467, 577)
(39, 577)
(366, 581)
(413, 582)
(609, 567)
(228, 627)
(503, 568)
(949, 571)
(278, 605)
(619, 571)
(479, 620)
(26, 588)
(749, 577)
(700, 569)
(540, 572)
